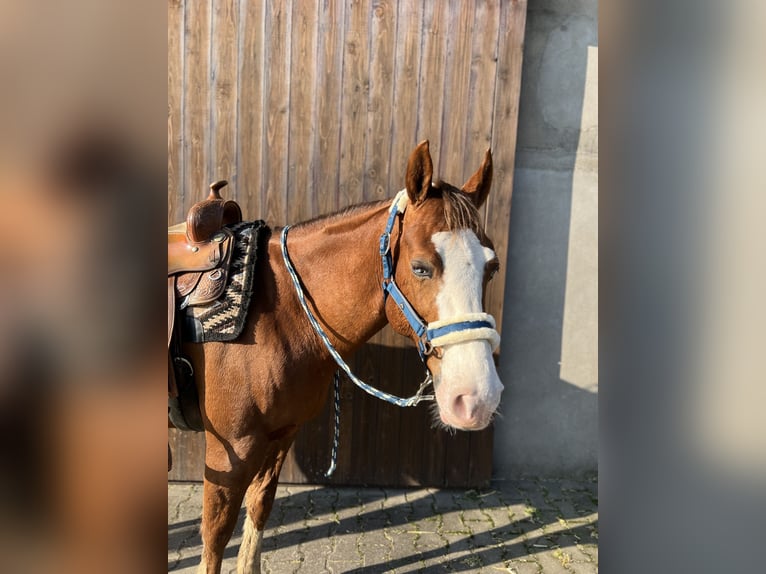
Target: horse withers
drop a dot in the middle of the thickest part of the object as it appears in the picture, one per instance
(257, 391)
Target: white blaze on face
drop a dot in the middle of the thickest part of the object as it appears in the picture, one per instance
(468, 391)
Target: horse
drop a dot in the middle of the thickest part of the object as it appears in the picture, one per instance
(425, 276)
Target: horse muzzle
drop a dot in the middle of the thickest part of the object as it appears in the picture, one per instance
(467, 386)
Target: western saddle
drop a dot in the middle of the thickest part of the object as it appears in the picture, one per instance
(199, 254)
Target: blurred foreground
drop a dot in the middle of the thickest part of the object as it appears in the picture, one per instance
(82, 374)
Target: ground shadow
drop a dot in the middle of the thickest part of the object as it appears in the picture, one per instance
(564, 515)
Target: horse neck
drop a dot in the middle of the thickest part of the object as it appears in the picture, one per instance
(339, 265)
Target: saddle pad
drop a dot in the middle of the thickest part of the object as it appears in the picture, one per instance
(224, 319)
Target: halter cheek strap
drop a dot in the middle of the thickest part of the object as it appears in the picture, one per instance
(467, 327)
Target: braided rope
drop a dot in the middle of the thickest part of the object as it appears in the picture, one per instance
(412, 401)
(336, 427)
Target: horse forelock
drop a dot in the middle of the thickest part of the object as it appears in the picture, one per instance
(460, 212)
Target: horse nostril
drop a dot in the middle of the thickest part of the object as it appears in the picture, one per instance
(465, 406)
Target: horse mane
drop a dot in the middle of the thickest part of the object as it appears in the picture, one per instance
(460, 212)
(324, 219)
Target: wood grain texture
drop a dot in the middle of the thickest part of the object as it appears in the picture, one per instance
(276, 101)
(353, 93)
(301, 199)
(197, 138)
(456, 102)
(175, 112)
(224, 77)
(329, 82)
(188, 450)
(252, 50)
(309, 107)
(504, 125)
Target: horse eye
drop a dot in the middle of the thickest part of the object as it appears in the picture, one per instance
(421, 270)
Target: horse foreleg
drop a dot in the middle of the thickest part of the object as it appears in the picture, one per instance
(229, 469)
(259, 501)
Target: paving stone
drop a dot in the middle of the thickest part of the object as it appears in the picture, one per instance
(522, 527)
(550, 564)
(342, 566)
(569, 546)
(583, 568)
(524, 567)
(282, 567)
(590, 550)
(492, 556)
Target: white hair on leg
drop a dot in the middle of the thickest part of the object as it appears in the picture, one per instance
(202, 568)
(249, 557)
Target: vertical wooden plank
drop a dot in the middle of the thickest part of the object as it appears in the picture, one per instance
(175, 112)
(300, 184)
(404, 454)
(481, 91)
(436, 30)
(188, 449)
(311, 454)
(356, 84)
(406, 86)
(457, 76)
(432, 78)
(380, 134)
(476, 467)
(224, 94)
(196, 107)
(354, 110)
(329, 105)
(276, 112)
(504, 126)
(250, 108)
(326, 167)
(300, 192)
(382, 38)
(381, 82)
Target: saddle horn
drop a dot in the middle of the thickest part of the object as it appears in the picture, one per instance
(215, 188)
(207, 217)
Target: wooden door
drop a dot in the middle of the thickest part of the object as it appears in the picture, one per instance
(308, 107)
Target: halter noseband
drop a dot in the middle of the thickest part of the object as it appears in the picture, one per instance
(466, 327)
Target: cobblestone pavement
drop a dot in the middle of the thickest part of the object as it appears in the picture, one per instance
(522, 527)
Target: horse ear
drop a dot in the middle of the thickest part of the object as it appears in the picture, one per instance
(420, 170)
(480, 182)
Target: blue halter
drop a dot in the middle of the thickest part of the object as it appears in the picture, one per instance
(479, 326)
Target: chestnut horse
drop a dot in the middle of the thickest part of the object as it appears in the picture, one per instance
(257, 391)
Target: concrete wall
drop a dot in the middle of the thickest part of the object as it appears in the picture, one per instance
(549, 362)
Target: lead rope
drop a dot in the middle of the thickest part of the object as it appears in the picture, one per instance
(336, 426)
(412, 401)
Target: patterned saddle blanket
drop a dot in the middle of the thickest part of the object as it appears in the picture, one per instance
(224, 318)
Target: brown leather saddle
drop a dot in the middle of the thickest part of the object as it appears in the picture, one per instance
(199, 255)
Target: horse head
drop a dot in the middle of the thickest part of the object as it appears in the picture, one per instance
(443, 262)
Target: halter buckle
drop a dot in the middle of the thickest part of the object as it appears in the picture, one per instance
(385, 243)
(426, 347)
